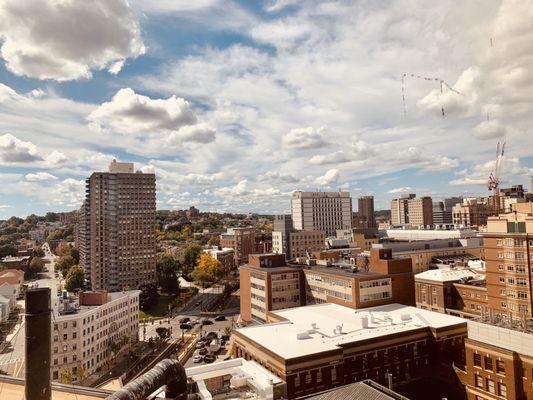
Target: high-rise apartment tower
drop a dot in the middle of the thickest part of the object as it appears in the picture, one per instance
(118, 227)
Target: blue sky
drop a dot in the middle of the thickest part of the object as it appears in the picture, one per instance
(236, 104)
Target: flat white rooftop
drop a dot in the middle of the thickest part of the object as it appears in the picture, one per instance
(323, 327)
(448, 274)
(510, 339)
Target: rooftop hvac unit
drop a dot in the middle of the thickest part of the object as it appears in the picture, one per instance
(406, 317)
(302, 335)
(314, 325)
(238, 381)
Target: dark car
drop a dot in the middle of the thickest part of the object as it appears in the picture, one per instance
(185, 326)
(202, 351)
(207, 321)
(208, 358)
(211, 335)
(220, 318)
(184, 320)
(225, 337)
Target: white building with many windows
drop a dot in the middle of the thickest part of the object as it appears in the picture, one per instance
(88, 330)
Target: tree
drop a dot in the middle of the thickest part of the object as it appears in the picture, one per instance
(149, 297)
(208, 269)
(63, 249)
(8, 250)
(167, 267)
(65, 376)
(36, 266)
(39, 252)
(75, 279)
(163, 332)
(189, 257)
(64, 264)
(214, 241)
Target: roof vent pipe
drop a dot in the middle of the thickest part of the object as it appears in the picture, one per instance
(169, 373)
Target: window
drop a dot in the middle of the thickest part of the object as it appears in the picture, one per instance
(479, 381)
(477, 360)
(502, 389)
(490, 385)
(488, 362)
(500, 366)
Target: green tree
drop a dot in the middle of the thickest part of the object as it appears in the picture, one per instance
(189, 257)
(163, 332)
(51, 217)
(167, 273)
(39, 252)
(36, 266)
(64, 264)
(65, 376)
(75, 279)
(8, 250)
(149, 297)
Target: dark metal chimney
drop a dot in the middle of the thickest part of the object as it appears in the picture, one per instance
(38, 344)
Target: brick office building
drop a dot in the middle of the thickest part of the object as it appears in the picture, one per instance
(314, 348)
(499, 363)
(268, 283)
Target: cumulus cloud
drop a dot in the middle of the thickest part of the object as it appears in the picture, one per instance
(243, 189)
(14, 150)
(336, 157)
(65, 40)
(132, 114)
(304, 138)
(40, 176)
(330, 177)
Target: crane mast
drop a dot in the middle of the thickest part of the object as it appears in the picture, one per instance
(494, 177)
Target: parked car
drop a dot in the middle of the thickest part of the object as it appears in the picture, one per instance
(209, 358)
(198, 358)
(220, 318)
(184, 320)
(198, 303)
(185, 326)
(207, 321)
(200, 344)
(202, 351)
(211, 335)
(225, 337)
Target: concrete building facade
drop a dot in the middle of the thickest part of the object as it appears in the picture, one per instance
(325, 211)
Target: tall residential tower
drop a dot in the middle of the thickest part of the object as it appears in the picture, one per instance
(118, 228)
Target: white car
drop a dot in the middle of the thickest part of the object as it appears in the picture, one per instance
(198, 358)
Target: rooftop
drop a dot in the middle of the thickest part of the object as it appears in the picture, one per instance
(449, 274)
(325, 327)
(366, 389)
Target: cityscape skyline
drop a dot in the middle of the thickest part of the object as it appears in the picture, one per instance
(213, 98)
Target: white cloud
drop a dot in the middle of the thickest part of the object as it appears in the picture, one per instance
(466, 181)
(489, 129)
(14, 150)
(129, 113)
(304, 138)
(336, 157)
(40, 176)
(65, 40)
(404, 189)
(330, 177)
(277, 177)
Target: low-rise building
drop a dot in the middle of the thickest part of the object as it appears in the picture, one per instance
(242, 241)
(268, 283)
(19, 262)
(318, 347)
(436, 290)
(235, 379)
(87, 331)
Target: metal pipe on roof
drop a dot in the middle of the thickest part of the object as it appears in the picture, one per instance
(38, 344)
(169, 373)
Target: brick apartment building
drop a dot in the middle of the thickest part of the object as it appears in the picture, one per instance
(242, 241)
(268, 283)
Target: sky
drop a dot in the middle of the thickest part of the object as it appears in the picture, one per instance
(235, 104)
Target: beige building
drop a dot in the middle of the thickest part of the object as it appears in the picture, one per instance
(117, 228)
(84, 330)
(323, 211)
(472, 212)
(410, 210)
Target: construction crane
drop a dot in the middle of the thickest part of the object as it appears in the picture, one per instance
(494, 177)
